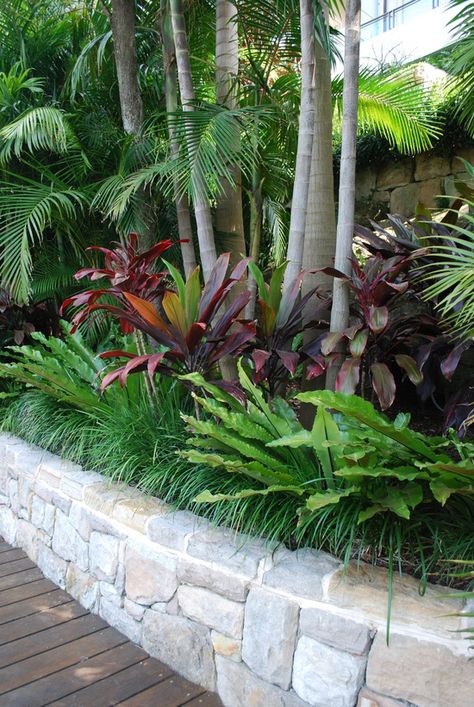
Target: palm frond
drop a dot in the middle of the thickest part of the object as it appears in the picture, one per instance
(41, 128)
(27, 209)
(392, 105)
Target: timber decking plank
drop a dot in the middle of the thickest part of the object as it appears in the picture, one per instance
(119, 686)
(28, 591)
(19, 578)
(33, 605)
(76, 652)
(173, 692)
(12, 554)
(209, 699)
(15, 566)
(50, 638)
(66, 686)
(54, 652)
(30, 625)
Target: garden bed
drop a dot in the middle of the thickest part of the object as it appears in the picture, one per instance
(258, 623)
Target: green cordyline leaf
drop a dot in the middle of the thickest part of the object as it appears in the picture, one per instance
(258, 277)
(192, 296)
(208, 497)
(363, 411)
(178, 281)
(276, 282)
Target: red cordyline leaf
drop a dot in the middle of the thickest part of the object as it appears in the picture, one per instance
(383, 383)
(377, 318)
(359, 342)
(260, 358)
(450, 363)
(289, 359)
(409, 365)
(348, 377)
(315, 369)
(330, 342)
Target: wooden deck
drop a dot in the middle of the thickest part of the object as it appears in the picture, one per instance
(54, 652)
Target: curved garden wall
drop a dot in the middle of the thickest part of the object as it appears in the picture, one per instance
(263, 626)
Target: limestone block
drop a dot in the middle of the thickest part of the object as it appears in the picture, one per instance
(395, 174)
(301, 573)
(103, 556)
(150, 576)
(136, 611)
(135, 512)
(23, 458)
(403, 200)
(269, 636)
(237, 686)
(381, 196)
(82, 587)
(234, 551)
(366, 587)
(8, 525)
(423, 673)
(111, 593)
(450, 183)
(336, 631)
(173, 528)
(121, 620)
(226, 646)
(42, 514)
(24, 491)
(12, 492)
(212, 610)
(52, 496)
(430, 190)
(365, 183)
(368, 698)
(103, 496)
(326, 676)
(75, 480)
(466, 153)
(52, 566)
(431, 166)
(86, 521)
(68, 544)
(26, 538)
(200, 575)
(181, 644)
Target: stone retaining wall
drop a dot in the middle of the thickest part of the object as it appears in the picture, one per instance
(397, 187)
(263, 626)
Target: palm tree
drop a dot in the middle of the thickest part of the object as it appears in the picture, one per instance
(171, 97)
(229, 213)
(202, 211)
(304, 151)
(345, 220)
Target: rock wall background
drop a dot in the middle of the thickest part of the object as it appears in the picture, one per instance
(397, 187)
(263, 626)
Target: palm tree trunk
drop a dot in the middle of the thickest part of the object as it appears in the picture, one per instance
(229, 216)
(122, 21)
(255, 238)
(304, 151)
(171, 97)
(320, 232)
(345, 222)
(202, 211)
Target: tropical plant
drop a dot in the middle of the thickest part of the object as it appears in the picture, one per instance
(276, 351)
(17, 323)
(128, 270)
(190, 327)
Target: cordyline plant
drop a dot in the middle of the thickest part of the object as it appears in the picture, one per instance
(190, 325)
(127, 270)
(275, 355)
(380, 335)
